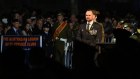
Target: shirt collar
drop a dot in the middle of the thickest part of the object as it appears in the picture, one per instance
(91, 22)
(46, 32)
(14, 29)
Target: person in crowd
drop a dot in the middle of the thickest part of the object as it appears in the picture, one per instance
(74, 26)
(1, 29)
(92, 31)
(89, 34)
(27, 31)
(47, 40)
(15, 30)
(60, 37)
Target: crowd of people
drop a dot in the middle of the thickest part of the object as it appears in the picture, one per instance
(69, 44)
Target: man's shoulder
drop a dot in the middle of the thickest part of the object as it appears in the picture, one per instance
(11, 29)
(98, 23)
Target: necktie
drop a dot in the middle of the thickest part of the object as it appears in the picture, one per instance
(88, 26)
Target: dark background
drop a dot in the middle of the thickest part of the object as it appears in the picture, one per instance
(67, 5)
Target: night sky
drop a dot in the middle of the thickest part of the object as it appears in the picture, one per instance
(54, 5)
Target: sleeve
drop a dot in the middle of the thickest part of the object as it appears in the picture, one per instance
(100, 34)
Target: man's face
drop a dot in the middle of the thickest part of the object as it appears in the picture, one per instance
(16, 24)
(60, 18)
(29, 21)
(73, 18)
(90, 16)
(49, 19)
(46, 29)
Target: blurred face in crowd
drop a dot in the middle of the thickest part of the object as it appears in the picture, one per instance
(60, 18)
(49, 19)
(29, 21)
(119, 25)
(40, 22)
(16, 25)
(73, 18)
(46, 29)
(90, 16)
(17, 16)
(27, 26)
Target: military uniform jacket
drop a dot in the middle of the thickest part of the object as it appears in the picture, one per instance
(87, 37)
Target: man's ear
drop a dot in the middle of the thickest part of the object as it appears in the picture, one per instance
(95, 17)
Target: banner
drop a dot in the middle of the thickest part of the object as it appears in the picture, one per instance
(26, 42)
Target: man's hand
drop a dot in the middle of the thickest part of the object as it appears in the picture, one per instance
(56, 38)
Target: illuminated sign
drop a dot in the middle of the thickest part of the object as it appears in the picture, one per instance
(23, 41)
